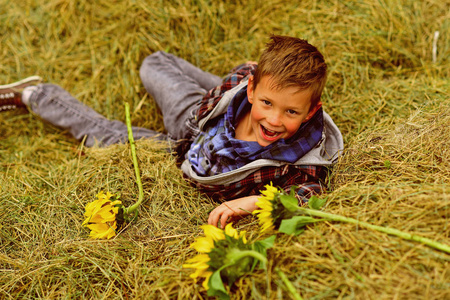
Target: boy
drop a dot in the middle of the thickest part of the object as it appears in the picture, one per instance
(263, 123)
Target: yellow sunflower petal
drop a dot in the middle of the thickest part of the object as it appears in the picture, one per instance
(89, 208)
(101, 195)
(116, 202)
(271, 188)
(199, 272)
(266, 224)
(207, 275)
(107, 213)
(242, 236)
(270, 192)
(230, 231)
(92, 209)
(101, 231)
(213, 232)
(265, 195)
(198, 259)
(203, 244)
(198, 262)
(265, 214)
(265, 205)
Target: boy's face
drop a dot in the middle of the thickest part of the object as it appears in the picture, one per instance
(276, 113)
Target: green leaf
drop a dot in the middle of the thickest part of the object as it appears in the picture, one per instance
(295, 224)
(316, 203)
(216, 287)
(267, 242)
(289, 202)
(292, 192)
(261, 247)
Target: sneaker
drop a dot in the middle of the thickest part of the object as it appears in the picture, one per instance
(11, 94)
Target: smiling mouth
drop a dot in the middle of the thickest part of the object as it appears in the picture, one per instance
(268, 134)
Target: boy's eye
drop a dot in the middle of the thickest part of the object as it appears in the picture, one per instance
(266, 102)
(291, 111)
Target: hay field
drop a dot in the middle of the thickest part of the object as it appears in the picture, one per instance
(388, 91)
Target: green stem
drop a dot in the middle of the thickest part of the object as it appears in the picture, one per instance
(388, 230)
(238, 254)
(289, 285)
(133, 207)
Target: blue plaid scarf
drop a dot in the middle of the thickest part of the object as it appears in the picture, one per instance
(216, 150)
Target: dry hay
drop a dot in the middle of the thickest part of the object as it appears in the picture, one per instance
(329, 260)
(395, 171)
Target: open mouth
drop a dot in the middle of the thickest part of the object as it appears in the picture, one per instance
(268, 134)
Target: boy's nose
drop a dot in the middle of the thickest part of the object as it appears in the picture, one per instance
(274, 120)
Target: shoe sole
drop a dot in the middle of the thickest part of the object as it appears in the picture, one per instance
(28, 80)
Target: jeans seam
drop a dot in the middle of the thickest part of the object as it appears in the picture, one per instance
(68, 107)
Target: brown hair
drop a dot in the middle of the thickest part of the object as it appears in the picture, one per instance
(293, 62)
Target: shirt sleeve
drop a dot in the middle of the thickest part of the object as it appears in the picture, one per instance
(234, 78)
(308, 180)
(308, 189)
(240, 72)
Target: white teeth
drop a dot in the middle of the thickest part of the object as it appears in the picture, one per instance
(269, 132)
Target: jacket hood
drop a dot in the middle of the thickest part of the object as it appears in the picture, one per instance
(325, 153)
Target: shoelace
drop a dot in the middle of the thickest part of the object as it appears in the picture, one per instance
(10, 101)
(7, 95)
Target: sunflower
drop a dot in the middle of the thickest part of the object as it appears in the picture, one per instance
(225, 253)
(272, 211)
(267, 203)
(204, 245)
(101, 216)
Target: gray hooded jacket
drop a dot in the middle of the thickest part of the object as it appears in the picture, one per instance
(325, 153)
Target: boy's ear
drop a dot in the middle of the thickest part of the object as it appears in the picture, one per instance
(250, 89)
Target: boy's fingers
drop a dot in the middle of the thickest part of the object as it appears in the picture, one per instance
(211, 219)
(214, 216)
(224, 219)
(222, 212)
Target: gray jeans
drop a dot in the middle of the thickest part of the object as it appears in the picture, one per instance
(176, 85)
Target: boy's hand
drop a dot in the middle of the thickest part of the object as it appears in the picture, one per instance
(233, 209)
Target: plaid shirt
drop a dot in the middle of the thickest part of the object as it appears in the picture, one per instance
(216, 150)
(307, 178)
